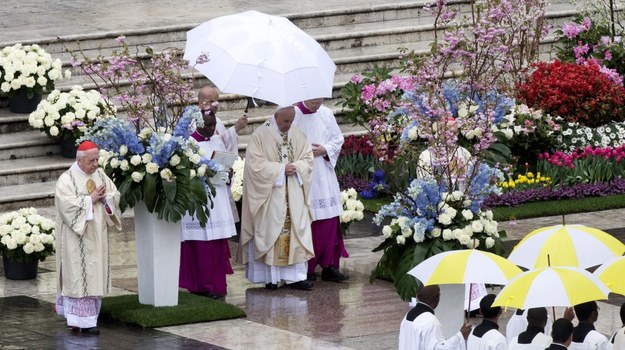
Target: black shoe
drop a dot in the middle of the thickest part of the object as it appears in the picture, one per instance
(311, 277)
(86, 331)
(331, 274)
(301, 285)
(271, 286)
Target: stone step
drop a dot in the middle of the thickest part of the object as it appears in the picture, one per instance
(39, 191)
(24, 144)
(32, 169)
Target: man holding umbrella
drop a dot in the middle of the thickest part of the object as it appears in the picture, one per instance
(320, 127)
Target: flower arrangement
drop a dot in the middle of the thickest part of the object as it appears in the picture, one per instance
(29, 67)
(26, 235)
(577, 93)
(236, 184)
(376, 187)
(525, 181)
(427, 220)
(165, 170)
(352, 208)
(68, 114)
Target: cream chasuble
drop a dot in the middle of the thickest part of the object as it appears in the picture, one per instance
(276, 215)
(82, 247)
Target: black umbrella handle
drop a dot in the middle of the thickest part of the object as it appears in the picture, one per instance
(250, 103)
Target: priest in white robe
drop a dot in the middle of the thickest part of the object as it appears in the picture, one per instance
(534, 336)
(421, 330)
(584, 334)
(326, 139)
(204, 251)
(276, 241)
(486, 335)
(207, 100)
(87, 203)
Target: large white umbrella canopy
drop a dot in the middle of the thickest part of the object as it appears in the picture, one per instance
(261, 56)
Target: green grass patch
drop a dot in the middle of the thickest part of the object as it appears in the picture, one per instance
(190, 309)
(558, 207)
(373, 205)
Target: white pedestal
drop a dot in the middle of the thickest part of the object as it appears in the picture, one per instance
(158, 258)
(450, 310)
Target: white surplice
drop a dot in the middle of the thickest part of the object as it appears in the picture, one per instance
(321, 128)
(425, 333)
(220, 223)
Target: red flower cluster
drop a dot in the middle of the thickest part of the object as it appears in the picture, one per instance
(357, 145)
(578, 93)
(562, 159)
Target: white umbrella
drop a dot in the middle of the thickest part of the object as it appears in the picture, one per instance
(261, 56)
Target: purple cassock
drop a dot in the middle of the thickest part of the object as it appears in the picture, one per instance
(328, 243)
(205, 263)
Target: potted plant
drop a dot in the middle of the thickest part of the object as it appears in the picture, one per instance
(66, 115)
(25, 239)
(26, 71)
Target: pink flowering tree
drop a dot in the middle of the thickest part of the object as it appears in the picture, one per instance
(433, 127)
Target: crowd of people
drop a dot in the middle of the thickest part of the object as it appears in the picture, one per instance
(530, 329)
(289, 217)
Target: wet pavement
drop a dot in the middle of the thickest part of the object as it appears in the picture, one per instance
(351, 315)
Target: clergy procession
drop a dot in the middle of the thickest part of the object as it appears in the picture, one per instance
(263, 181)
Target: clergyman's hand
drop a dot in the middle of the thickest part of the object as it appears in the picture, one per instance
(569, 313)
(290, 169)
(465, 329)
(98, 194)
(318, 150)
(240, 123)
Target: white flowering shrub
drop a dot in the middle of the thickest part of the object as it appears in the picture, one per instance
(353, 209)
(69, 114)
(29, 67)
(26, 235)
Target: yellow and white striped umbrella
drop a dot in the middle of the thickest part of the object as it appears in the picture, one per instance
(566, 245)
(465, 266)
(612, 273)
(552, 286)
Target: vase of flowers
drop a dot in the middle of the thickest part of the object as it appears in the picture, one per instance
(66, 115)
(25, 239)
(26, 71)
(158, 169)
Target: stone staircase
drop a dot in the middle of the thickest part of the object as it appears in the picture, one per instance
(356, 39)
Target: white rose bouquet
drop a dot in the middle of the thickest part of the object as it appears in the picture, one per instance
(236, 185)
(29, 67)
(26, 235)
(69, 114)
(352, 208)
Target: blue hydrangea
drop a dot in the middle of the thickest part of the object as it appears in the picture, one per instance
(183, 128)
(111, 133)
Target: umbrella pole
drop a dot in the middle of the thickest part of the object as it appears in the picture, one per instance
(469, 307)
(553, 309)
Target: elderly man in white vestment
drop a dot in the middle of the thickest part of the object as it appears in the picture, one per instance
(87, 203)
(326, 139)
(276, 241)
(421, 330)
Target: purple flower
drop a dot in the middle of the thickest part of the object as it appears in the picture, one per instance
(607, 55)
(586, 23)
(356, 79)
(571, 30)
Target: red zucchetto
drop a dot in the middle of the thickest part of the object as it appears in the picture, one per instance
(87, 145)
